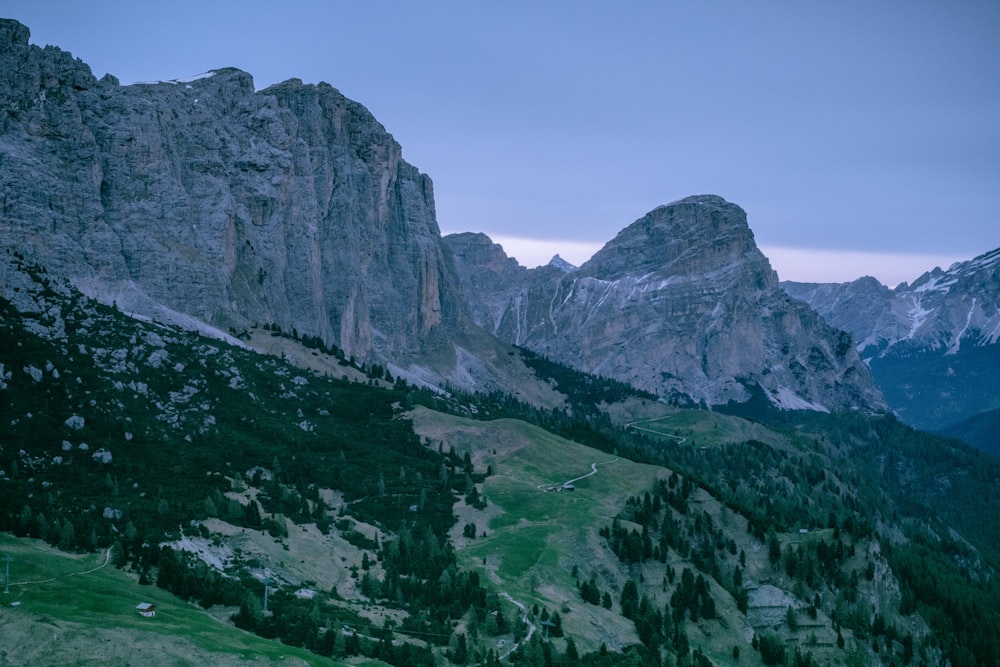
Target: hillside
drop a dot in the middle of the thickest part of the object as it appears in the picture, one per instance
(413, 527)
(981, 431)
(243, 378)
(73, 605)
(837, 517)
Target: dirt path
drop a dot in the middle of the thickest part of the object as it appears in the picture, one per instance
(634, 425)
(593, 471)
(526, 619)
(107, 559)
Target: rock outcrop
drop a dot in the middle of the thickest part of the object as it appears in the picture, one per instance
(208, 203)
(933, 345)
(209, 200)
(505, 298)
(681, 302)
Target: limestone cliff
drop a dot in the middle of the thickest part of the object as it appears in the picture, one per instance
(207, 199)
(679, 302)
(207, 202)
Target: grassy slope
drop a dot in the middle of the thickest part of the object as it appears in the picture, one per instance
(707, 428)
(78, 615)
(534, 538)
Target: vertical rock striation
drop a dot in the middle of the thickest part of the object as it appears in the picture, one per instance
(206, 201)
(679, 302)
(205, 198)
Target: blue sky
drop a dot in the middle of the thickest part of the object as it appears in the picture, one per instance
(860, 137)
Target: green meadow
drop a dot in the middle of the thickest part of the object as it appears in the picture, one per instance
(62, 605)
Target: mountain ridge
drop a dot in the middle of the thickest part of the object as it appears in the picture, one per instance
(208, 201)
(209, 469)
(931, 344)
(337, 495)
(681, 303)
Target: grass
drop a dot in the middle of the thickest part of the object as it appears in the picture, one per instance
(705, 428)
(535, 537)
(92, 611)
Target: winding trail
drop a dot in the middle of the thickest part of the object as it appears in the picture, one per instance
(593, 471)
(634, 425)
(107, 559)
(524, 617)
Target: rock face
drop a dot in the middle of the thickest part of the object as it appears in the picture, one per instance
(208, 200)
(681, 302)
(933, 346)
(503, 296)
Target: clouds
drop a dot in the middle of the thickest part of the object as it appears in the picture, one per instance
(796, 264)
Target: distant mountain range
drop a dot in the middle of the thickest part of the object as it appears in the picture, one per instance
(212, 205)
(216, 206)
(933, 345)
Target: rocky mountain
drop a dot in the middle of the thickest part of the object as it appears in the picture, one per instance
(317, 501)
(209, 203)
(679, 303)
(932, 344)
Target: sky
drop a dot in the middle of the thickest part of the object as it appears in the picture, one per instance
(862, 138)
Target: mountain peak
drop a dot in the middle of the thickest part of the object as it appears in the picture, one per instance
(13, 33)
(692, 235)
(680, 302)
(944, 328)
(561, 264)
(704, 200)
(204, 197)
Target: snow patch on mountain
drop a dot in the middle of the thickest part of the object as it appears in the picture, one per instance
(917, 314)
(935, 284)
(943, 328)
(956, 342)
(786, 399)
(561, 264)
(680, 303)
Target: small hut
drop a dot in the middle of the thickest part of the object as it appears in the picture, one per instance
(147, 609)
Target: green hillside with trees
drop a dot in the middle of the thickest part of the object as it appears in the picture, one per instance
(373, 520)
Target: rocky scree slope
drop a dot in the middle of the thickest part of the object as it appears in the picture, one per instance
(206, 199)
(932, 345)
(679, 303)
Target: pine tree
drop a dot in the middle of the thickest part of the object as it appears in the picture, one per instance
(572, 656)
